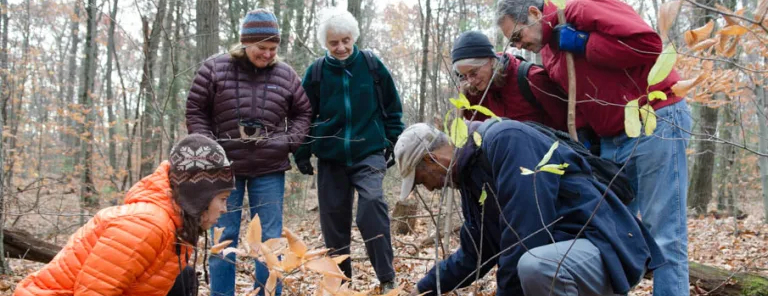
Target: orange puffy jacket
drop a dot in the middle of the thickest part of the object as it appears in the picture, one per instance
(124, 250)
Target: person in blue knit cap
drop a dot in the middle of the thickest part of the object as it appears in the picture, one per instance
(254, 105)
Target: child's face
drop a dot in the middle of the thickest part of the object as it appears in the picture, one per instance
(217, 207)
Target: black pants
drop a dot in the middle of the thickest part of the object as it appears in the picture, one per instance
(186, 283)
(336, 185)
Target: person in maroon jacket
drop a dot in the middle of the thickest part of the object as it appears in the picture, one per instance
(256, 108)
(614, 50)
(539, 99)
(475, 62)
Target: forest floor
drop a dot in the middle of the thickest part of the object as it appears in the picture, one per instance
(736, 245)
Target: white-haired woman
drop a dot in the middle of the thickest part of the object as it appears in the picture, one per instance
(356, 121)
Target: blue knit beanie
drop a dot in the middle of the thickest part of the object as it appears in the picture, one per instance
(259, 25)
(472, 44)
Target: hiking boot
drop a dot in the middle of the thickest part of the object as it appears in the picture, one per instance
(385, 287)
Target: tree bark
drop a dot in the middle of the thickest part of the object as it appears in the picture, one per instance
(3, 93)
(355, 8)
(20, 244)
(700, 192)
(87, 187)
(285, 27)
(151, 117)
(424, 60)
(207, 27)
(74, 28)
(763, 145)
(403, 222)
(716, 281)
(110, 102)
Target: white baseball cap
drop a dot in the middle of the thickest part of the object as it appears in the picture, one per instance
(410, 149)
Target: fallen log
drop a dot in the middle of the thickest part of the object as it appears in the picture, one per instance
(720, 282)
(20, 244)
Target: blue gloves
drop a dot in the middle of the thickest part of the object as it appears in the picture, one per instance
(569, 39)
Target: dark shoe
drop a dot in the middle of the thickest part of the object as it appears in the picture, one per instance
(385, 287)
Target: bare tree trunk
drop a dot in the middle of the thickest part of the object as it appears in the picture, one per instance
(110, 102)
(167, 97)
(3, 93)
(424, 60)
(725, 197)
(355, 7)
(151, 117)
(763, 145)
(277, 6)
(700, 192)
(87, 188)
(74, 28)
(207, 27)
(285, 27)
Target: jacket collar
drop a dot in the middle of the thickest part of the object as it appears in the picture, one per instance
(329, 59)
(548, 22)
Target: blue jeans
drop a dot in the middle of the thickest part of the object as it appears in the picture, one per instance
(581, 273)
(265, 195)
(658, 171)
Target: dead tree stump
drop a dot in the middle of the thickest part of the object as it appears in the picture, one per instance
(402, 216)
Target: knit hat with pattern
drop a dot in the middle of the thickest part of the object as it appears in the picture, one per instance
(259, 25)
(199, 170)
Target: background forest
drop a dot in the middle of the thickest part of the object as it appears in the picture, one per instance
(92, 95)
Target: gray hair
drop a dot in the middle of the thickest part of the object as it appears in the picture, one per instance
(499, 67)
(440, 141)
(336, 20)
(516, 9)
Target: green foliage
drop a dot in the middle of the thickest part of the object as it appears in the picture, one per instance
(632, 123)
(558, 169)
(456, 128)
(664, 64)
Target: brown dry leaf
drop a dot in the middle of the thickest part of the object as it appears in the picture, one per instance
(253, 235)
(667, 14)
(325, 266)
(296, 245)
(217, 248)
(217, 231)
(704, 44)
(761, 9)
(682, 87)
(697, 35)
(270, 258)
(340, 258)
(277, 245)
(4, 285)
(254, 292)
(290, 261)
(237, 252)
(731, 51)
(394, 292)
(315, 253)
(269, 288)
(733, 30)
(331, 284)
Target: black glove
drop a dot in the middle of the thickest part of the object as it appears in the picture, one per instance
(389, 156)
(305, 166)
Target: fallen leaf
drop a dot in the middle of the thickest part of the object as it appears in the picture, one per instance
(217, 248)
(253, 234)
(340, 258)
(295, 244)
(325, 266)
(217, 231)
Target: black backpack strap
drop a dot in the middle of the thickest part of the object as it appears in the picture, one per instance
(373, 67)
(522, 82)
(315, 78)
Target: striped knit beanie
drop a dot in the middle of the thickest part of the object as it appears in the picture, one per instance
(259, 25)
(199, 170)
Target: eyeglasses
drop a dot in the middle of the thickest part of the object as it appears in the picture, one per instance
(471, 74)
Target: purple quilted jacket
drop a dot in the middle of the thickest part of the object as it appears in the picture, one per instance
(227, 91)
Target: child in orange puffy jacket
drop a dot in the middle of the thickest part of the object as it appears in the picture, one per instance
(139, 248)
